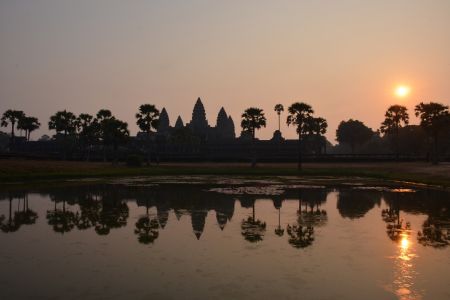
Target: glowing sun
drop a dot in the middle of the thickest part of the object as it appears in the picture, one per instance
(402, 91)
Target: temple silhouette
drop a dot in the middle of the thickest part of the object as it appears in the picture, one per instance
(199, 127)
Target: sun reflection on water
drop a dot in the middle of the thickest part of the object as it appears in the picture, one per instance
(404, 269)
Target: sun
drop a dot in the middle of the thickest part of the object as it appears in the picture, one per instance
(402, 91)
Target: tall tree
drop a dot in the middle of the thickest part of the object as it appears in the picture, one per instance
(252, 119)
(115, 133)
(434, 118)
(299, 116)
(65, 123)
(29, 124)
(11, 117)
(317, 127)
(279, 108)
(147, 119)
(353, 133)
(396, 117)
(88, 132)
(103, 116)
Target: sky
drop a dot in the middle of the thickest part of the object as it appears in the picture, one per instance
(344, 58)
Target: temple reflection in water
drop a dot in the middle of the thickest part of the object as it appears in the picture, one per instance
(359, 242)
(105, 208)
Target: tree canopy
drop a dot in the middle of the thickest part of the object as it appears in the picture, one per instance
(353, 133)
(252, 119)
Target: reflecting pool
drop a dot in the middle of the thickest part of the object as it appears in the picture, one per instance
(225, 240)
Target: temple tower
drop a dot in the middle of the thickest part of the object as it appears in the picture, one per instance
(164, 123)
(199, 124)
(179, 123)
(231, 130)
(225, 126)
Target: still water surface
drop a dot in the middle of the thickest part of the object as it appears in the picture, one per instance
(196, 241)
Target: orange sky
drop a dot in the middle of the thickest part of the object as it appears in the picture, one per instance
(342, 57)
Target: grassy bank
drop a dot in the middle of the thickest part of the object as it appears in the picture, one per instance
(14, 171)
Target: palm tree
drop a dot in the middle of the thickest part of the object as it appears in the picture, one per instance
(115, 133)
(299, 115)
(147, 119)
(88, 132)
(252, 119)
(279, 108)
(103, 116)
(65, 123)
(434, 118)
(11, 117)
(395, 116)
(317, 127)
(29, 124)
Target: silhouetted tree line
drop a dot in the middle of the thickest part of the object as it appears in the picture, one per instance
(85, 132)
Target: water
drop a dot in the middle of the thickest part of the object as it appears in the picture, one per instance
(198, 241)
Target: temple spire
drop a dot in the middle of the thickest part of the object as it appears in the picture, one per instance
(179, 123)
(164, 123)
(199, 124)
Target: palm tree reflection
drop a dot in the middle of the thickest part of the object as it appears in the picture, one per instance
(436, 228)
(252, 229)
(435, 232)
(113, 214)
(11, 225)
(61, 220)
(301, 235)
(396, 228)
(147, 228)
(277, 202)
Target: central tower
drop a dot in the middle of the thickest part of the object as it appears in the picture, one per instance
(199, 124)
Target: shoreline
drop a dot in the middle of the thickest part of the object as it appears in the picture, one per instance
(13, 172)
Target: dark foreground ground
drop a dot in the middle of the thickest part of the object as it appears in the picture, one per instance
(15, 170)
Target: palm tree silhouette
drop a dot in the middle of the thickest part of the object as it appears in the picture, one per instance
(279, 108)
(147, 119)
(394, 117)
(299, 115)
(115, 133)
(88, 131)
(65, 123)
(252, 119)
(29, 124)
(434, 118)
(102, 117)
(317, 127)
(11, 117)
